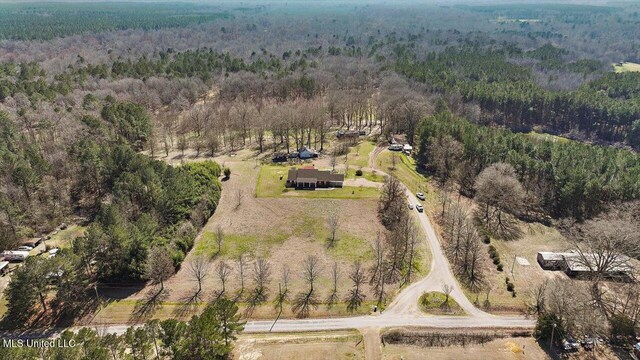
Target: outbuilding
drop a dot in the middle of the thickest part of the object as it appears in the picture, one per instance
(551, 261)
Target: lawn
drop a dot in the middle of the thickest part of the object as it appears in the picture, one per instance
(271, 183)
(234, 245)
(626, 67)
(64, 238)
(536, 237)
(437, 303)
(405, 171)
(358, 156)
(369, 175)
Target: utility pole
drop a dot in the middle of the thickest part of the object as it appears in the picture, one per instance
(553, 330)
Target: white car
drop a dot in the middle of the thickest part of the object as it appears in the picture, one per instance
(53, 252)
(25, 248)
(420, 196)
(410, 206)
(419, 208)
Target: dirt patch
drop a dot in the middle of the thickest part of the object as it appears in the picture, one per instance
(320, 346)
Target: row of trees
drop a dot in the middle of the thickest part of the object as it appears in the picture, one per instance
(210, 335)
(396, 253)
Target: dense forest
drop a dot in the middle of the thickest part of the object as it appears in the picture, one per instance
(565, 178)
(42, 21)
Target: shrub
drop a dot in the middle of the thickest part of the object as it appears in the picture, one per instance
(227, 172)
(513, 294)
(486, 239)
(496, 260)
(358, 172)
(510, 287)
(506, 280)
(499, 267)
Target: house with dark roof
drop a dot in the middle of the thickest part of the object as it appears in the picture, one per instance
(310, 178)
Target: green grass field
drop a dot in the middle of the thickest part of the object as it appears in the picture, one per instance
(271, 183)
(64, 238)
(405, 171)
(626, 67)
(359, 155)
(235, 244)
(371, 176)
(436, 302)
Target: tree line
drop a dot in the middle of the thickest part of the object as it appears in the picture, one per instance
(507, 94)
(559, 178)
(210, 335)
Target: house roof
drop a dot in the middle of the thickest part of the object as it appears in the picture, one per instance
(550, 256)
(312, 175)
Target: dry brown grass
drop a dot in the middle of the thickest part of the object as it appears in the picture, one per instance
(284, 231)
(499, 349)
(309, 346)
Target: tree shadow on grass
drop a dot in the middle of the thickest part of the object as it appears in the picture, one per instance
(189, 305)
(146, 307)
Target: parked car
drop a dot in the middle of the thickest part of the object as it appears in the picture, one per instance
(419, 208)
(420, 196)
(25, 248)
(569, 344)
(410, 206)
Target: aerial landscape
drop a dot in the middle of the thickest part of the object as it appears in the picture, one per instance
(329, 179)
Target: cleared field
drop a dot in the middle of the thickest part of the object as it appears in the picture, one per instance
(499, 349)
(64, 238)
(536, 238)
(284, 231)
(626, 67)
(309, 346)
(271, 183)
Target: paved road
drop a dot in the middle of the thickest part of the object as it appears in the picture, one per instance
(403, 311)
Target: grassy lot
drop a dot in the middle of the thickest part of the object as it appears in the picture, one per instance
(120, 311)
(358, 156)
(271, 183)
(309, 346)
(64, 238)
(547, 137)
(351, 248)
(369, 175)
(234, 245)
(626, 67)
(434, 303)
(405, 171)
(536, 238)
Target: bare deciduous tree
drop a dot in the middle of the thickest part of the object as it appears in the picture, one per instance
(199, 268)
(333, 296)
(223, 270)
(219, 238)
(333, 222)
(356, 295)
(308, 299)
(261, 276)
